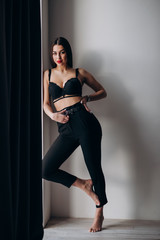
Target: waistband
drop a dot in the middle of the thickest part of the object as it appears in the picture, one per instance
(73, 108)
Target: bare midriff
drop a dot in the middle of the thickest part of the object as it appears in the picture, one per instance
(66, 102)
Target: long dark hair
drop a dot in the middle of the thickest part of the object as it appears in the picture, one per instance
(62, 41)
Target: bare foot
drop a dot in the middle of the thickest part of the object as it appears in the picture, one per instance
(87, 187)
(98, 220)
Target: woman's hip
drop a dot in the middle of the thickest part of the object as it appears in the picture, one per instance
(80, 121)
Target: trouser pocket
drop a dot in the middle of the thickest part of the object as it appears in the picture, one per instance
(64, 128)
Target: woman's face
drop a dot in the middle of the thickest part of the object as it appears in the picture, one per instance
(59, 55)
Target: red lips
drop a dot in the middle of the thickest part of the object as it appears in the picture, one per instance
(59, 61)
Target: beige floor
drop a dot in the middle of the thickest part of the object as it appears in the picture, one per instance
(77, 229)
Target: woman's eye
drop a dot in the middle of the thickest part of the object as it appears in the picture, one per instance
(54, 53)
(63, 52)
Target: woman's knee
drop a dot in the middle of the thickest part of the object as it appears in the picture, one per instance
(46, 171)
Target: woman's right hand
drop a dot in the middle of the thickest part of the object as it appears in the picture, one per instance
(60, 117)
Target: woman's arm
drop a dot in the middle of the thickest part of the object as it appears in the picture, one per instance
(99, 93)
(46, 103)
(58, 117)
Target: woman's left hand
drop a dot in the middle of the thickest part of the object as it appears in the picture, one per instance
(84, 102)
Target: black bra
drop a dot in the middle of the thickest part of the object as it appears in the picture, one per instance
(72, 88)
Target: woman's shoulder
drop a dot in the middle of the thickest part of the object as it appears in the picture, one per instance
(47, 74)
(83, 72)
(47, 70)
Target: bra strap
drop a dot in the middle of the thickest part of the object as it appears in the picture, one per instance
(74, 95)
(77, 72)
(49, 75)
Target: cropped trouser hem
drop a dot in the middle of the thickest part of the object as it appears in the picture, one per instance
(71, 183)
(102, 204)
(68, 183)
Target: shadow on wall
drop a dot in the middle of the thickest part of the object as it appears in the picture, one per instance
(61, 17)
(119, 109)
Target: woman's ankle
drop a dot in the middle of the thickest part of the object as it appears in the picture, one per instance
(99, 212)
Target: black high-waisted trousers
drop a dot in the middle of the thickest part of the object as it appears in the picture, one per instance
(82, 129)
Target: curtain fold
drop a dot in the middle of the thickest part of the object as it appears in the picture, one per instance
(20, 120)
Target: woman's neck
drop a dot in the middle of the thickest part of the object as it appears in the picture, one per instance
(62, 68)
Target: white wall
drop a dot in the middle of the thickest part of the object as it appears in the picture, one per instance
(118, 42)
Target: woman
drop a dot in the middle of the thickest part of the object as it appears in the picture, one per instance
(76, 126)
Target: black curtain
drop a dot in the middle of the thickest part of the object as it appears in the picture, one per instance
(20, 120)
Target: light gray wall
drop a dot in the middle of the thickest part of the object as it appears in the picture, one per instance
(118, 42)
